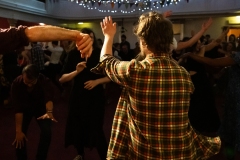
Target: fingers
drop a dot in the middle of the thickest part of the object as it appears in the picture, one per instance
(14, 142)
(106, 20)
(43, 117)
(80, 66)
(40, 117)
(209, 22)
(84, 45)
(19, 144)
(88, 85)
(54, 120)
(89, 53)
(25, 138)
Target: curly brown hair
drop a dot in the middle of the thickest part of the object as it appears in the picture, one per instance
(155, 31)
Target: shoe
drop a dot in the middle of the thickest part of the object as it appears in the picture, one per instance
(78, 157)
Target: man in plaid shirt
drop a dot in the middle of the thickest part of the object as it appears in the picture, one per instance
(151, 119)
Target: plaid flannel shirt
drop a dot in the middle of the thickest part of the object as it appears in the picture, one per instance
(151, 119)
(37, 56)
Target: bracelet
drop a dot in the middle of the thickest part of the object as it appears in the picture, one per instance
(49, 111)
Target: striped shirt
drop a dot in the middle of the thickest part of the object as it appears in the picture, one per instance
(151, 119)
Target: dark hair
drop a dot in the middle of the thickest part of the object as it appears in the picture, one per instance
(123, 36)
(88, 31)
(31, 71)
(55, 42)
(155, 31)
(234, 37)
(208, 35)
(202, 39)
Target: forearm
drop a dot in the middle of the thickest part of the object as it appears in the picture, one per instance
(49, 106)
(192, 41)
(218, 62)
(18, 121)
(68, 77)
(211, 45)
(50, 33)
(216, 42)
(107, 46)
(103, 80)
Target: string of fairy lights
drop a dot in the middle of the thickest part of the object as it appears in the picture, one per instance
(124, 6)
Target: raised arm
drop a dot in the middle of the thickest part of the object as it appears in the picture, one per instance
(196, 37)
(109, 30)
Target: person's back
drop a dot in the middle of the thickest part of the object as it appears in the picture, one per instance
(159, 91)
(151, 119)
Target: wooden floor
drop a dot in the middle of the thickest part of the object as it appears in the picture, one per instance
(57, 150)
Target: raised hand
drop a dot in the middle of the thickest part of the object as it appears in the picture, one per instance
(80, 66)
(167, 14)
(207, 24)
(108, 27)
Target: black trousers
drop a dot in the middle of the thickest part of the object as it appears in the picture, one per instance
(44, 141)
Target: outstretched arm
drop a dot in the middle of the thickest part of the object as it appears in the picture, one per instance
(53, 33)
(218, 62)
(196, 37)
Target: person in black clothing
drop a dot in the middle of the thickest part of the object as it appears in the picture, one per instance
(126, 54)
(84, 126)
(124, 42)
(32, 96)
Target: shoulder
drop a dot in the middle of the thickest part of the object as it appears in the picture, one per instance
(17, 81)
(43, 79)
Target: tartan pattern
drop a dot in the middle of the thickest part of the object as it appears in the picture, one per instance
(37, 56)
(151, 119)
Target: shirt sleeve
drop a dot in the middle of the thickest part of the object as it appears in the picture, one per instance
(12, 38)
(118, 71)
